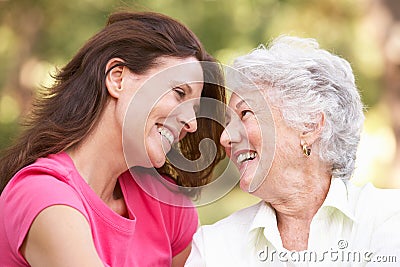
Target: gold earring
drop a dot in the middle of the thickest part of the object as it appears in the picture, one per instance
(306, 150)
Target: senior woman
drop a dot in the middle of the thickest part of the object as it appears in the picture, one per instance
(293, 132)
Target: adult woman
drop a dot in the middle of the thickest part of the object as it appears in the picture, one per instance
(300, 104)
(72, 200)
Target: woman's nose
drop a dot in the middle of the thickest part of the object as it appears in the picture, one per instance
(225, 139)
(187, 117)
(230, 135)
(190, 125)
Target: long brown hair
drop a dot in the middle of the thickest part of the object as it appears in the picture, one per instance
(63, 115)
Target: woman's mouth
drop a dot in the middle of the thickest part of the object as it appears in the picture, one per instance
(246, 156)
(167, 134)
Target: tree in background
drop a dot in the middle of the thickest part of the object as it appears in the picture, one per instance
(35, 36)
(384, 17)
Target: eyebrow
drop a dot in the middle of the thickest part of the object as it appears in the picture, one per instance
(241, 102)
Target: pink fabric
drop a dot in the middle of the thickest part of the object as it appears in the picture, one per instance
(153, 234)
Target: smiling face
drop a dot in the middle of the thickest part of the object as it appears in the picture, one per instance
(171, 118)
(249, 143)
(159, 109)
(260, 143)
(242, 139)
(267, 151)
(263, 147)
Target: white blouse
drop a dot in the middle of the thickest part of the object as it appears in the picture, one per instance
(355, 226)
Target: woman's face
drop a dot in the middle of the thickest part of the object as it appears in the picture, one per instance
(162, 110)
(258, 141)
(242, 139)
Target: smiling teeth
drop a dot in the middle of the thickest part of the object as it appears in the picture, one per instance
(246, 156)
(167, 134)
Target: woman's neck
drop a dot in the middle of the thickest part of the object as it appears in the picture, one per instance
(296, 203)
(99, 159)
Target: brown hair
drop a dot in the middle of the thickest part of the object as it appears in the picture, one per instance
(64, 115)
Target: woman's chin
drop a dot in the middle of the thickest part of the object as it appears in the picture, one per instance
(158, 162)
(156, 159)
(245, 183)
(246, 176)
(250, 183)
(157, 155)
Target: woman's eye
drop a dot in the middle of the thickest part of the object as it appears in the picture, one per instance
(180, 92)
(245, 112)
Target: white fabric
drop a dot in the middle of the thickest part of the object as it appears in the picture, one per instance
(354, 227)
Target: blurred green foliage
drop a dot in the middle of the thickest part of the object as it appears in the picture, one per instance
(52, 31)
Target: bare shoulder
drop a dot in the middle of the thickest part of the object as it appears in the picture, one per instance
(60, 236)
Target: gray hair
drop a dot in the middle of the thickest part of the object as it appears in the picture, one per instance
(304, 81)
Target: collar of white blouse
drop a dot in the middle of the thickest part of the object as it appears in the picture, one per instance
(264, 226)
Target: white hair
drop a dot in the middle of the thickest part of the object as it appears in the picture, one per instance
(304, 81)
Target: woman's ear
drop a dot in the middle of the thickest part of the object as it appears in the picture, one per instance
(314, 131)
(114, 74)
